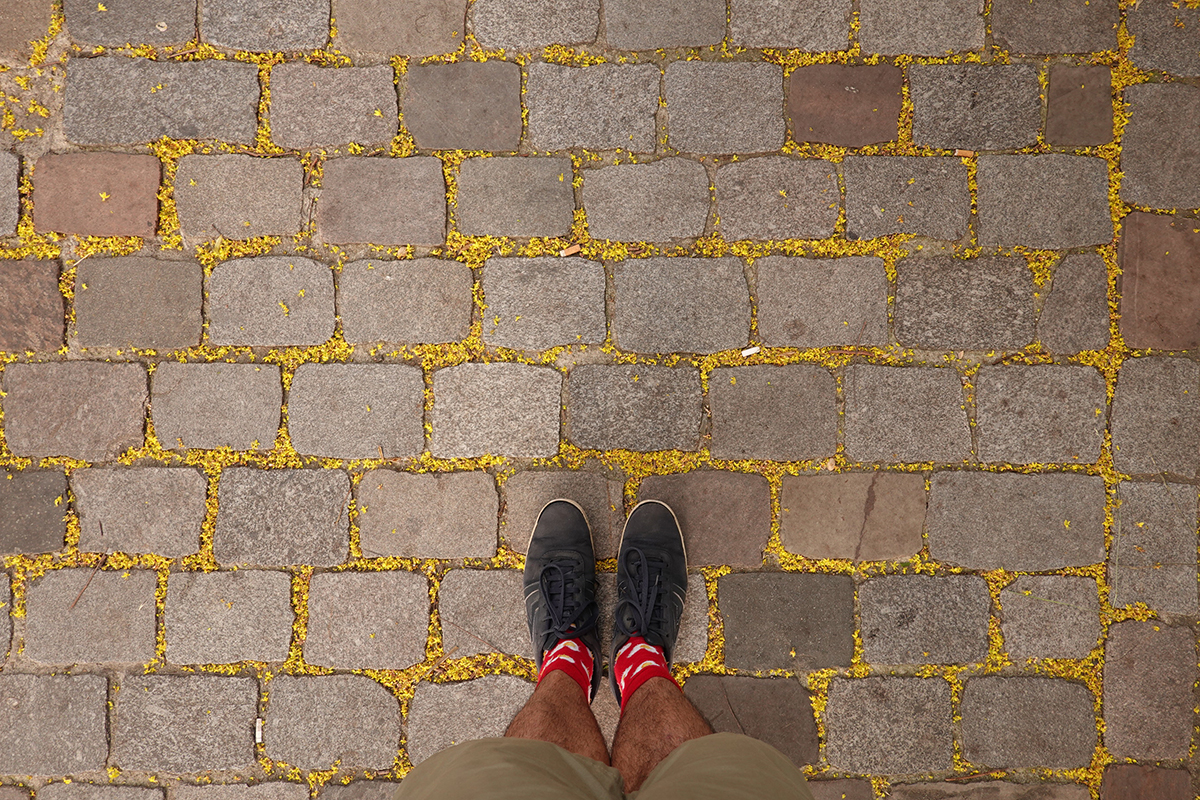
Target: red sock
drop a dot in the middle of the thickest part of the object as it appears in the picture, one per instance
(638, 662)
(572, 657)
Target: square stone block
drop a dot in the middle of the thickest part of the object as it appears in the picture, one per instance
(975, 106)
(922, 619)
(422, 300)
(385, 27)
(31, 306)
(445, 714)
(600, 106)
(725, 516)
(928, 196)
(1075, 312)
(1055, 26)
(270, 301)
(1153, 558)
(227, 617)
(775, 197)
(921, 27)
(889, 725)
(518, 197)
(845, 105)
(602, 497)
(142, 510)
(1165, 37)
(539, 303)
(645, 25)
(805, 24)
(25, 21)
(1050, 616)
(216, 405)
(370, 620)
(238, 197)
(877, 516)
(810, 302)
(1052, 201)
(1160, 282)
(314, 722)
(315, 106)
(357, 410)
(130, 22)
(782, 413)
(165, 317)
(34, 712)
(667, 199)
(1160, 148)
(1079, 110)
(1137, 781)
(96, 194)
(466, 105)
(771, 710)
(503, 409)
(1039, 414)
(904, 414)
(1149, 678)
(526, 25)
(724, 108)
(385, 201)
(1017, 722)
(265, 25)
(121, 605)
(483, 611)
(1155, 417)
(33, 505)
(793, 621)
(680, 305)
(692, 643)
(634, 407)
(441, 515)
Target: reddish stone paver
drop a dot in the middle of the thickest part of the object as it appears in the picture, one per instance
(96, 194)
(1160, 283)
(1144, 782)
(31, 307)
(725, 516)
(865, 516)
(851, 106)
(1079, 106)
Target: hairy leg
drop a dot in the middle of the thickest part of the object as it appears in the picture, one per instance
(558, 712)
(657, 719)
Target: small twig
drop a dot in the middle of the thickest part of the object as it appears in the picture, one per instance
(493, 647)
(438, 664)
(968, 777)
(86, 585)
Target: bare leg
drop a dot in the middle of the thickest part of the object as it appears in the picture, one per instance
(559, 713)
(657, 719)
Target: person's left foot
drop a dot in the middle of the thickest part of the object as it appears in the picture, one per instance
(560, 595)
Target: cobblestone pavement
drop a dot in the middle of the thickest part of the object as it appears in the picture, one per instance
(305, 311)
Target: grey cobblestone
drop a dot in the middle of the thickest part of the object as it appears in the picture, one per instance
(808, 24)
(922, 28)
(6, 601)
(970, 521)
(445, 714)
(450, 515)
(170, 22)
(690, 305)
(599, 107)
(944, 302)
(238, 197)
(847, 789)
(314, 721)
(1154, 552)
(466, 105)
(861, 516)
(384, 201)
(423, 300)
(10, 198)
(781, 620)
(920, 619)
(1028, 414)
(1047, 201)
(904, 414)
(1164, 37)
(113, 100)
(357, 410)
(518, 197)
(725, 516)
(1149, 674)
(1160, 151)
(34, 504)
(145, 510)
(380, 28)
(87, 410)
(975, 106)
(775, 197)
(216, 405)
(483, 611)
(36, 709)
(899, 194)
(724, 108)
(524, 26)
(273, 790)
(884, 724)
(539, 303)
(642, 25)
(509, 409)
(633, 407)
(1050, 616)
(120, 605)
(1155, 416)
(374, 620)
(1049, 27)
(1021, 722)
(601, 497)
(166, 317)
(88, 791)
(270, 301)
(784, 413)
(1075, 312)
(282, 517)
(667, 199)
(373, 789)
(693, 625)
(808, 302)
(772, 710)
(325, 107)
(226, 617)
(265, 25)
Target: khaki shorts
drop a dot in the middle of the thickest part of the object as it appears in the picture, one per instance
(721, 766)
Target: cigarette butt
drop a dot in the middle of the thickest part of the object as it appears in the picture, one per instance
(258, 731)
(749, 351)
(967, 153)
(570, 251)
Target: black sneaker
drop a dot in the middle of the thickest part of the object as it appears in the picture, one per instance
(560, 583)
(651, 581)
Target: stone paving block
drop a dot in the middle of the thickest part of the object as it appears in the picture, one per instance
(809, 302)
(921, 27)
(947, 303)
(783, 620)
(53, 725)
(10, 198)
(1053, 26)
(845, 789)
(386, 26)
(505, 409)
(1079, 110)
(216, 405)
(1149, 670)
(1048, 201)
(357, 410)
(920, 619)
(6, 606)
(927, 196)
(117, 100)
(131, 22)
(238, 197)
(1160, 148)
(32, 506)
(371, 789)
(145, 510)
(689, 305)
(226, 617)
(724, 108)
(777, 711)
(1027, 722)
(445, 714)
(1155, 416)
(1133, 781)
(96, 194)
(1075, 312)
(725, 516)
(385, 201)
(600, 106)
(483, 611)
(782, 413)
(975, 106)
(775, 197)
(467, 105)
(539, 303)
(25, 21)
(875, 516)
(1050, 616)
(282, 517)
(314, 721)
(643, 25)
(209, 725)
(524, 26)
(693, 625)
(450, 515)
(119, 604)
(970, 521)
(325, 107)
(668, 199)
(89, 791)
(422, 300)
(166, 316)
(1028, 414)
(1154, 550)
(519, 197)
(808, 24)
(31, 306)
(265, 25)
(1160, 282)
(1165, 37)
(601, 497)
(270, 301)
(88, 410)
(633, 407)
(272, 790)
(374, 620)
(885, 724)
(904, 414)
(993, 790)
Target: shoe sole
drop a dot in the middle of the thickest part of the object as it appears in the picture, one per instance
(578, 508)
(673, 517)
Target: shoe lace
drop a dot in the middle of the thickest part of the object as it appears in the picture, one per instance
(567, 617)
(647, 614)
